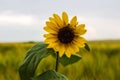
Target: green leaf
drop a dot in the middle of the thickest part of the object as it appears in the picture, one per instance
(87, 47)
(32, 59)
(50, 75)
(64, 60)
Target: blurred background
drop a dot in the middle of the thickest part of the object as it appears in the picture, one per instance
(21, 27)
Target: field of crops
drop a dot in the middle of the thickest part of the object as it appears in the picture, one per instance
(101, 63)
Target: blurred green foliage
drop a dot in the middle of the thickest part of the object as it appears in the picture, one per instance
(101, 63)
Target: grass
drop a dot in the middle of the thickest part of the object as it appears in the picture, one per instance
(102, 63)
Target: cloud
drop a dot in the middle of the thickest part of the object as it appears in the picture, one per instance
(20, 27)
(12, 18)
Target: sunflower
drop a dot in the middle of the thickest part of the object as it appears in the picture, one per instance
(63, 36)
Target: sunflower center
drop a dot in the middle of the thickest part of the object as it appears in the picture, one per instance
(65, 35)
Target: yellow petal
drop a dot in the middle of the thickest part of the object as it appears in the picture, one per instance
(55, 46)
(58, 20)
(53, 21)
(80, 41)
(50, 40)
(61, 50)
(50, 35)
(52, 25)
(73, 21)
(82, 26)
(58, 47)
(52, 45)
(48, 29)
(68, 51)
(80, 29)
(75, 48)
(71, 48)
(65, 18)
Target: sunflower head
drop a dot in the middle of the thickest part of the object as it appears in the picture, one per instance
(64, 36)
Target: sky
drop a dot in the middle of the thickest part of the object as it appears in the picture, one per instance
(23, 20)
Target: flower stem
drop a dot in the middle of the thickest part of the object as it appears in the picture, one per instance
(57, 62)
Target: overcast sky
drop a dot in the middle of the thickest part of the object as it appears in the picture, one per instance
(23, 20)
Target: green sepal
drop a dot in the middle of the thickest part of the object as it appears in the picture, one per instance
(50, 75)
(87, 47)
(64, 60)
(32, 59)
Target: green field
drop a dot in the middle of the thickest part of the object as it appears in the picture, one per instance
(101, 63)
